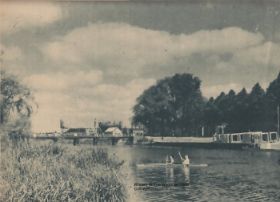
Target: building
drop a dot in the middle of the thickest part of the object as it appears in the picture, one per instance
(76, 132)
(113, 131)
(137, 132)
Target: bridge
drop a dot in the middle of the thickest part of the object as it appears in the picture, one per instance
(95, 139)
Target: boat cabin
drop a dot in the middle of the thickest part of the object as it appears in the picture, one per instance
(247, 137)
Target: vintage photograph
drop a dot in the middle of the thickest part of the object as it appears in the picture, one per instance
(137, 101)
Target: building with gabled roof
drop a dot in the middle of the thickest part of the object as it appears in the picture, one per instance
(113, 131)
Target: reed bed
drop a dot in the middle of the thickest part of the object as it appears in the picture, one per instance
(57, 172)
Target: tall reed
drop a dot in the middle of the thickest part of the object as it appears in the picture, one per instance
(53, 172)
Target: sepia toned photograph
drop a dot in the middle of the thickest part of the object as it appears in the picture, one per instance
(135, 101)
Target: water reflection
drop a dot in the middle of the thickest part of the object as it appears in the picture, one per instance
(169, 170)
(186, 171)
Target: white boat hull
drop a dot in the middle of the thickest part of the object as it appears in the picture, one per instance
(270, 146)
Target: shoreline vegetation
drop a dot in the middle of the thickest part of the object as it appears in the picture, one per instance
(54, 172)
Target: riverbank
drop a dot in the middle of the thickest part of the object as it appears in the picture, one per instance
(52, 172)
(179, 139)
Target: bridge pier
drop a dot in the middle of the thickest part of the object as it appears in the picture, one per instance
(94, 141)
(76, 141)
(130, 140)
(114, 140)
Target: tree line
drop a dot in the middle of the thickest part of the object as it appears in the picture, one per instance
(175, 106)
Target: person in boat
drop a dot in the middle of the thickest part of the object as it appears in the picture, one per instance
(171, 161)
(185, 161)
(167, 159)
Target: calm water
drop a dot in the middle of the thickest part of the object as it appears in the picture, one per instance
(231, 175)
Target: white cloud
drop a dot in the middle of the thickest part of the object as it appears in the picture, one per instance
(11, 58)
(215, 90)
(264, 54)
(10, 53)
(52, 106)
(64, 81)
(219, 41)
(110, 45)
(114, 102)
(80, 97)
(57, 96)
(17, 15)
(118, 48)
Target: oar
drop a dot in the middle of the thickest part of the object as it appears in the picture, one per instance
(180, 156)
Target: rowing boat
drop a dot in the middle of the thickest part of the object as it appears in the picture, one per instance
(144, 165)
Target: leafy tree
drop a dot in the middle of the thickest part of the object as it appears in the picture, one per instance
(16, 106)
(226, 104)
(212, 116)
(272, 100)
(245, 112)
(230, 110)
(173, 106)
(256, 108)
(220, 107)
(240, 112)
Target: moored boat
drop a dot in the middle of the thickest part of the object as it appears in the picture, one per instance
(260, 140)
(270, 146)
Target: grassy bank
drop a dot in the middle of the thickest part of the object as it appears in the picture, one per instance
(50, 172)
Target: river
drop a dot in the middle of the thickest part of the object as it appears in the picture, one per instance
(231, 175)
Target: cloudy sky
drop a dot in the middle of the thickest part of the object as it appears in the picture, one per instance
(92, 60)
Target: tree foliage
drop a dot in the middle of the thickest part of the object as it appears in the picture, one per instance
(16, 105)
(175, 106)
(172, 106)
(254, 111)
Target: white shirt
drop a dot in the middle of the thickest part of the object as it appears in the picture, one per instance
(186, 162)
(171, 160)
